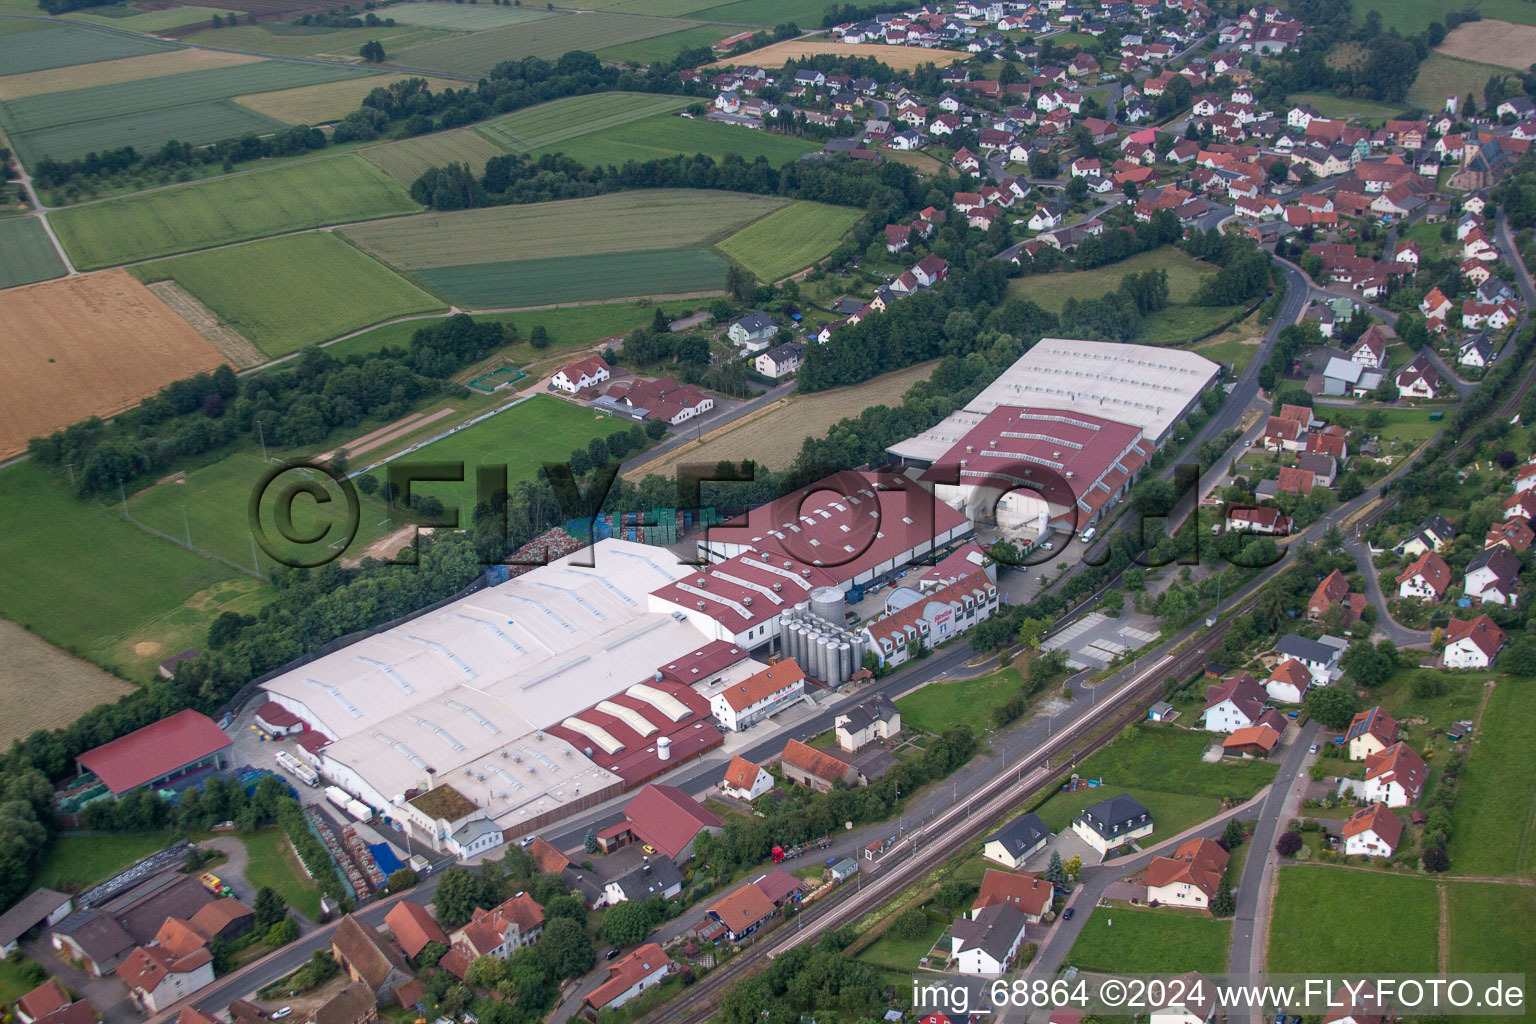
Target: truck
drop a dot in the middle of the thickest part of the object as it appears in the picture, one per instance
(298, 769)
(213, 883)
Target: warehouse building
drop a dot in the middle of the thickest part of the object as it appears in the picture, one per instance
(171, 753)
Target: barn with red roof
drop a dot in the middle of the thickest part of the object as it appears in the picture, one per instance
(163, 753)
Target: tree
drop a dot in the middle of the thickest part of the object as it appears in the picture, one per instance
(1077, 190)
(740, 283)
(910, 924)
(458, 894)
(401, 879)
(1288, 844)
(1434, 859)
(269, 909)
(590, 842)
(1224, 904)
(953, 894)
(372, 52)
(1074, 866)
(1333, 706)
(626, 924)
(1031, 630)
(1234, 835)
(564, 947)
(1369, 664)
(1054, 872)
(539, 337)
(282, 933)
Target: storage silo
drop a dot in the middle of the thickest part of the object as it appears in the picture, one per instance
(844, 662)
(784, 625)
(827, 604)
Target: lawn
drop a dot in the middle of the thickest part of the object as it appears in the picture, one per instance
(1053, 290)
(68, 45)
(1407, 425)
(644, 51)
(13, 983)
(615, 275)
(1494, 827)
(230, 209)
(668, 135)
(1162, 941)
(1335, 919)
(945, 705)
(314, 287)
(1238, 353)
(478, 52)
(1160, 758)
(1182, 325)
(26, 254)
(1172, 813)
(139, 589)
(789, 240)
(1490, 931)
(273, 864)
(547, 125)
(75, 863)
(902, 955)
(408, 159)
(1463, 697)
(1441, 76)
(1329, 105)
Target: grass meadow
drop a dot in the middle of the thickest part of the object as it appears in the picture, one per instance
(1329, 105)
(1494, 819)
(659, 137)
(75, 863)
(1489, 930)
(1410, 16)
(789, 240)
(68, 45)
(273, 863)
(478, 52)
(1441, 76)
(1335, 919)
(327, 288)
(548, 124)
(1164, 941)
(285, 40)
(229, 209)
(408, 159)
(644, 51)
(26, 254)
(618, 275)
(1052, 291)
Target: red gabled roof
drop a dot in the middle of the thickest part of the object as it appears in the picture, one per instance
(817, 762)
(667, 818)
(155, 750)
(413, 927)
(43, 1000)
(741, 773)
(766, 683)
(626, 973)
(1198, 861)
(1400, 764)
(1376, 818)
(1482, 631)
(1019, 889)
(1434, 570)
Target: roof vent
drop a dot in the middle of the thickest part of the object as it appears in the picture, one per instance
(777, 587)
(746, 600)
(700, 604)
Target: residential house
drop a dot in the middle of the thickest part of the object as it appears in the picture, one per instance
(1419, 379)
(756, 327)
(1426, 579)
(1320, 659)
(156, 976)
(1371, 350)
(870, 721)
(1370, 732)
(1473, 643)
(1394, 776)
(781, 360)
(1334, 591)
(741, 705)
(1048, 216)
(1233, 704)
(502, 930)
(1288, 682)
(1190, 877)
(745, 780)
(1323, 467)
(352, 1005)
(413, 928)
(1254, 741)
(1432, 535)
(1372, 831)
(986, 942)
(1014, 843)
(1258, 519)
(1476, 352)
(1025, 892)
(1515, 534)
(818, 769)
(663, 399)
(897, 237)
(580, 374)
(1294, 480)
(1112, 823)
(645, 967)
(742, 912)
(1493, 577)
(1189, 999)
(41, 1001)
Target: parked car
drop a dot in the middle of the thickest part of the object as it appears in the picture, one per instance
(1066, 915)
(280, 1014)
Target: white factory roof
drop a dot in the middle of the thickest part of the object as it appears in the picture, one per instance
(1140, 385)
(453, 689)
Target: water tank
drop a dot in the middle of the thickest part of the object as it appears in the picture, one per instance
(663, 748)
(827, 603)
(826, 658)
(844, 662)
(784, 626)
(797, 644)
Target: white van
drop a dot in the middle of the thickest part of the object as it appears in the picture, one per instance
(1087, 535)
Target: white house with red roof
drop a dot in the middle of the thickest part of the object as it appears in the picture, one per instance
(1426, 579)
(627, 978)
(1370, 732)
(1249, 519)
(745, 780)
(1372, 831)
(1394, 776)
(740, 705)
(1473, 643)
(580, 374)
(1188, 878)
(1233, 704)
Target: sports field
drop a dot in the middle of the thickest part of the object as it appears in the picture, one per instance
(464, 17)
(1441, 76)
(547, 125)
(26, 254)
(669, 135)
(110, 72)
(67, 45)
(650, 219)
(331, 101)
(1052, 291)
(902, 58)
(789, 240)
(478, 52)
(288, 40)
(643, 51)
(610, 275)
(408, 159)
(84, 346)
(33, 667)
(229, 209)
(308, 288)
(542, 429)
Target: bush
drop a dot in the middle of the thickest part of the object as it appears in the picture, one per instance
(910, 924)
(401, 879)
(1288, 844)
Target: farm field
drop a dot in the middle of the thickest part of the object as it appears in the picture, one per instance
(1489, 930)
(32, 667)
(659, 8)
(774, 435)
(902, 58)
(26, 254)
(1165, 941)
(789, 240)
(329, 101)
(659, 137)
(1494, 829)
(463, 17)
(805, 13)
(548, 124)
(616, 275)
(1329, 105)
(288, 40)
(478, 52)
(148, 598)
(149, 112)
(1412, 16)
(110, 72)
(1395, 926)
(1493, 42)
(228, 209)
(328, 288)
(1441, 76)
(657, 219)
(68, 45)
(408, 159)
(85, 346)
(1052, 291)
(150, 22)
(644, 51)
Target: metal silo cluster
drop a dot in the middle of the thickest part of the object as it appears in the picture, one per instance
(827, 652)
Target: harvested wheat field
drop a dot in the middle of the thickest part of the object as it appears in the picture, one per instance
(772, 435)
(328, 101)
(33, 670)
(113, 72)
(902, 58)
(1492, 42)
(91, 345)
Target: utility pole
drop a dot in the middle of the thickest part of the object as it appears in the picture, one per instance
(186, 525)
(262, 437)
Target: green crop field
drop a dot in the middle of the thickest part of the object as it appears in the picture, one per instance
(287, 40)
(229, 209)
(615, 275)
(137, 586)
(1410, 16)
(478, 52)
(644, 51)
(1329, 105)
(312, 287)
(152, 111)
(668, 135)
(1441, 76)
(635, 221)
(541, 429)
(66, 46)
(658, 8)
(805, 13)
(1394, 921)
(1163, 941)
(1495, 812)
(789, 240)
(1053, 290)
(149, 21)
(549, 124)
(464, 17)
(409, 159)
(26, 254)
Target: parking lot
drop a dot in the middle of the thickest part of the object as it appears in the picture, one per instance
(1095, 640)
